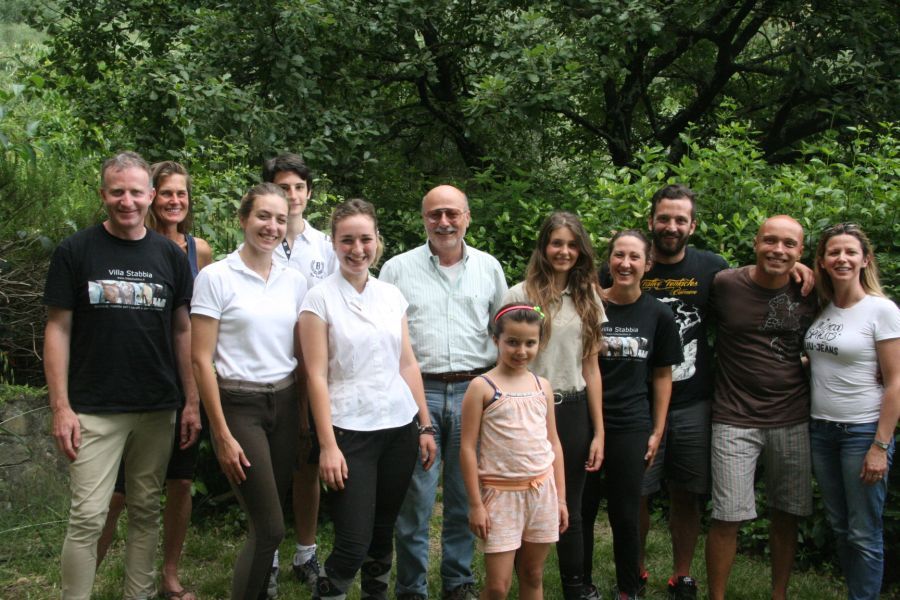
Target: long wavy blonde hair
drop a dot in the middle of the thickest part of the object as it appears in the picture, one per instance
(582, 280)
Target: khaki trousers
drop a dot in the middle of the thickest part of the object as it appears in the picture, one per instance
(145, 442)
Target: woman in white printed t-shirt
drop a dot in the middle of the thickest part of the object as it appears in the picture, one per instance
(366, 393)
(854, 412)
(244, 316)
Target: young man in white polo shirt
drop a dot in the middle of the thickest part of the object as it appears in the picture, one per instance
(308, 250)
(304, 247)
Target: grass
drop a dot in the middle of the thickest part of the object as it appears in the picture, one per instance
(31, 537)
(34, 505)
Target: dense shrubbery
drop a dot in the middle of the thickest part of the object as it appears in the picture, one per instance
(737, 190)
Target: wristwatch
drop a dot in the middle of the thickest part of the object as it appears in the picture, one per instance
(880, 444)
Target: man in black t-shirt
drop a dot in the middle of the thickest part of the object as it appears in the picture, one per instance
(116, 358)
(681, 277)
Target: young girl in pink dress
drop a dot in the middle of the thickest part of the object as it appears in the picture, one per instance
(512, 461)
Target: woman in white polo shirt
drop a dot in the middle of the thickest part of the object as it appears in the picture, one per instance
(244, 321)
(366, 392)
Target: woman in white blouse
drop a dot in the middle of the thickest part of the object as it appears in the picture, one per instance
(244, 316)
(368, 404)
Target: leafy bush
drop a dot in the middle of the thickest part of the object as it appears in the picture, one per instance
(39, 205)
(46, 198)
(737, 189)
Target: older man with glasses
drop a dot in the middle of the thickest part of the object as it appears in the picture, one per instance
(452, 290)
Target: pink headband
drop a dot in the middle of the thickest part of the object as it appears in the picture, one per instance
(536, 309)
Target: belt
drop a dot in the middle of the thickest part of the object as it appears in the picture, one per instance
(563, 397)
(237, 385)
(503, 484)
(455, 376)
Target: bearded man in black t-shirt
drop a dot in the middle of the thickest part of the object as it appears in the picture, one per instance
(681, 276)
(117, 363)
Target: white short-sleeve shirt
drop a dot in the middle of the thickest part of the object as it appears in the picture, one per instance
(311, 253)
(844, 361)
(256, 318)
(365, 388)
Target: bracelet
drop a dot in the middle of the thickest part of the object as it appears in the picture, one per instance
(427, 429)
(563, 502)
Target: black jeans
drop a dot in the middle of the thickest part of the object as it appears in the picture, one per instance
(379, 466)
(573, 424)
(265, 424)
(623, 470)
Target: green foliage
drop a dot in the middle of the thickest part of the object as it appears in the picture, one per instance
(507, 214)
(43, 199)
(220, 176)
(457, 88)
(13, 11)
(832, 183)
(16, 37)
(9, 392)
(736, 189)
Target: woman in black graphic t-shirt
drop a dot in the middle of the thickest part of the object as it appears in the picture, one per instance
(640, 345)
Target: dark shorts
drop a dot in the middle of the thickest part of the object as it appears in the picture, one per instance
(683, 456)
(182, 464)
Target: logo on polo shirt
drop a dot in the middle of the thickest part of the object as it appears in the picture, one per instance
(317, 269)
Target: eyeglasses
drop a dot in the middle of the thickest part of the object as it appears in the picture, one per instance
(453, 215)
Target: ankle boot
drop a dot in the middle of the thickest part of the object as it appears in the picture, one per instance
(375, 577)
(330, 588)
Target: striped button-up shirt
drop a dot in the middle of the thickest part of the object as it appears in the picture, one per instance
(449, 320)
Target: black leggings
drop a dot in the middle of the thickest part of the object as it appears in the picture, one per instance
(573, 424)
(379, 467)
(265, 425)
(623, 469)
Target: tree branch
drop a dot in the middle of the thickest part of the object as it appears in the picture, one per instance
(581, 121)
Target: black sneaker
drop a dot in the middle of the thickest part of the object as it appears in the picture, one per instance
(682, 588)
(465, 591)
(410, 596)
(589, 592)
(308, 572)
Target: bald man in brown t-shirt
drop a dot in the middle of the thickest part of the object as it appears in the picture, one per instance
(760, 407)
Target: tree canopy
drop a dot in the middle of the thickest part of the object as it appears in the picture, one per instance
(454, 88)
